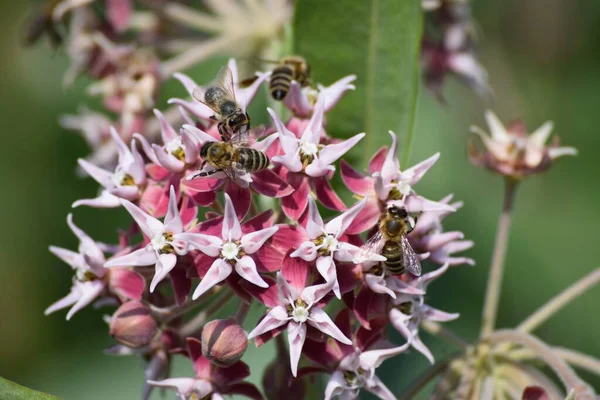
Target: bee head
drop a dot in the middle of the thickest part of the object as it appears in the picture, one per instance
(238, 119)
(398, 212)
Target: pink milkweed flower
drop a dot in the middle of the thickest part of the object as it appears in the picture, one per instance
(125, 182)
(265, 182)
(513, 152)
(91, 279)
(325, 244)
(210, 381)
(231, 250)
(166, 241)
(388, 184)
(243, 95)
(118, 12)
(410, 311)
(178, 152)
(302, 101)
(428, 236)
(295, 308)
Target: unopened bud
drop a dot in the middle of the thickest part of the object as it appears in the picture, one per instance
(132, 324)
(223, 342)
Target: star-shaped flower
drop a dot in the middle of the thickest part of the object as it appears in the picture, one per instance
(325, 244)
(91, 279)
(296, 308)
(410, 311)
(513, 152)
(302, 101)
(165, 241)
(125, 182)
(231, 250)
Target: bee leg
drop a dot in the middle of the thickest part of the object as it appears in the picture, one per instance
(222, 128)
(415, 219)
(204, 174)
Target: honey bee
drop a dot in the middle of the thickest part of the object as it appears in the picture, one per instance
(234, 158)
(291, 68)
(220, 97)
(40, 23)
(390, 241)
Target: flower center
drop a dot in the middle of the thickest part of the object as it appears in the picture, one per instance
(350, 378)
(309, 149)
(327, 244)
(300, 314)
(162, 243)
(400, 190)
(121, 178)
(175, 148)
(85, 275)
(230, 251)
(406, 308)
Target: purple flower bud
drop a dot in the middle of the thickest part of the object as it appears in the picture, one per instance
(132, 324)
(223, 342)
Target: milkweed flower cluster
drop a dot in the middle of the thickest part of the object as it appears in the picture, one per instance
(290, 260)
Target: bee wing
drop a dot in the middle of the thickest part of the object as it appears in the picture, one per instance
(237, 174)
(411, 259)
(370, 249)
(224, 80)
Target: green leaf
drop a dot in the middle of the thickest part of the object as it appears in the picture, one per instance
(12, 391)
(377, 40)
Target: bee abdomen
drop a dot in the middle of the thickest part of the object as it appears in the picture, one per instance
(252, 160)
(281, 78)
(395, 257)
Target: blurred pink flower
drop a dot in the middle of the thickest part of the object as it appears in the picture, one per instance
(295, 308)
(117, 12)
(166, 241)
(126, 182)
(91, 279)
(231, 249)
(302, 101)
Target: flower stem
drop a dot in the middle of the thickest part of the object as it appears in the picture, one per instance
(242, 312)
(564, 372)
(558, 302)
(494, 284)
(436, 329)
(422, 380)
(579, 360)
(195, 324)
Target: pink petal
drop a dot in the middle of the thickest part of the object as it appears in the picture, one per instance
(354, 180)
(434, 314)
(277, 317)
(268, 258)
(267, 296)
(118, 13)
(126, 284)
(416, 172)
(333, 93)
(246, 268)
(415, 203)
(335, 386)
(389, 169)
(146, 147)
(326, 268)
(313, 294)
(130, 193)
(230, 375)
(202, 366)
(362, 305)
(307, 251)
(287, 293)
(190, 147)
(105, 200)
(181, 284)
(231, 229)
(173, 219)
(295, 271)
(185, 386)
(245, 389)
(157, 172)
(166, 130)
(164, 265)
(218, 271)
(366, 219)
(296, 338)
(378, 284)
(251, 242)
(376, 162)
(209, 245)
(65, 302)
(379, 389)
(284, 133)
(70, 257)
(268, 183)
(148, 224)
(294, 205)
(89, 291)
(204, 199)
(297, 101)
(202, 184)
(314, 224)
(167, 160)
(320, 320)
(140, 257)
(339, 224)
(98, 174)
(332, 152)
(287, 237)
(241, 200)
(326, 195)
(188, 212)
(312, 132)
(374, 358)
(261, 221)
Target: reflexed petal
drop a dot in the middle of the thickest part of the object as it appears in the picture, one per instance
(241, 198)
(339, 224)
(295, 271)
(218, 271)
(326, 195)
(253, 241)
(376, 162)
(366, 218)
(354, 180)
(277, 317)
(320, 320)
(246, 268)
(314, 223)
(164, 265)
(268, 183)
(296, 338)
(126, 283)
(148, 224)
(294, 205)
(231, 229)
(140, 257)
(209, 245)
(418, 345)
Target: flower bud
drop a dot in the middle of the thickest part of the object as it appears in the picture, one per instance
(132, 324)
(223, 342)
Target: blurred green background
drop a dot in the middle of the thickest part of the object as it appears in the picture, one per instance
(543, 57)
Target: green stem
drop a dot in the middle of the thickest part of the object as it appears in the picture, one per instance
(494, 284)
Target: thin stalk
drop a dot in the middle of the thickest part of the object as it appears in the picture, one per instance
(444, 333)
(579, 360)
(552, 306)
(193, 56)
(422, 380)
(564, 372)
(494, 284)
(242, 312)
(195, 324)
(191, 17)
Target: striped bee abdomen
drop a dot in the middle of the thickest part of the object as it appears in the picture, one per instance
(281, 78)
(392, 250)
(252, 160)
